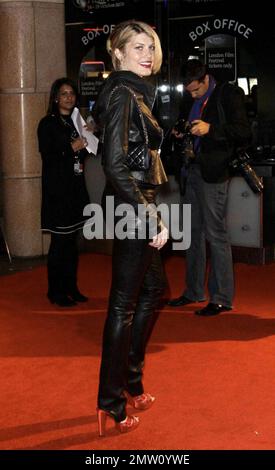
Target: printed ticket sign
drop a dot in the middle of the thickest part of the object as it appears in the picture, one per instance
(220, 56)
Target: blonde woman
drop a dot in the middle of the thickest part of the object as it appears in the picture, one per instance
(123, 110)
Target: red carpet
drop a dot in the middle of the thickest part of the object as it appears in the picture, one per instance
(213, 377)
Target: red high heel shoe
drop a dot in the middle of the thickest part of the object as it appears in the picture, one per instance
(141, 402)
(127, 425)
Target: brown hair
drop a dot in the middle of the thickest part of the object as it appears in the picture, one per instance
(193, 70)
(122, 34)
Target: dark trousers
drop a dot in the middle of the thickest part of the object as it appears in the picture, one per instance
(62, 264)
(208, 205)
(137, 284)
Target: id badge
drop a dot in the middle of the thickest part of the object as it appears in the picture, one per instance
(78, 168)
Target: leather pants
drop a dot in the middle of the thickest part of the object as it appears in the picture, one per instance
(137, 283)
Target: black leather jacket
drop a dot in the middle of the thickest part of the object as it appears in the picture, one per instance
(120, 120)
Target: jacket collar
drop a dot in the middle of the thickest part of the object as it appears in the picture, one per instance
(134, 81)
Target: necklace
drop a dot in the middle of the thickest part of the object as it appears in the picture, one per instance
(74, 133)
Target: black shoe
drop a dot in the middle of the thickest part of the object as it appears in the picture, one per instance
(78, 297)
(212, 309)
(182, 300)
(62, 300)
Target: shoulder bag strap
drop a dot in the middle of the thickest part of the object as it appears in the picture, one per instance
(138, 107)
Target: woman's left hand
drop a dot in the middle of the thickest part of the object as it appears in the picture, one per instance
(90, 126)
(160, 239)
(79, 143)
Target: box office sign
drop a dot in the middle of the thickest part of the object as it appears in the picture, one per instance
(220, 56)
(221, 26)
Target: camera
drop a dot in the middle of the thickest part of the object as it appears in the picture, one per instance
(241, 164)
(182, 126)
(185, 143)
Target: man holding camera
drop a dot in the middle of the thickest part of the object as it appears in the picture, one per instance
(207, 181)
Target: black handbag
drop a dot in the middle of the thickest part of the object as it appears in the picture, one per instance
(138, 156)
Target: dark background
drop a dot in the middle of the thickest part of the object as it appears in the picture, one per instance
(174, 20)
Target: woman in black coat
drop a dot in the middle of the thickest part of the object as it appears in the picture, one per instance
(64, 194)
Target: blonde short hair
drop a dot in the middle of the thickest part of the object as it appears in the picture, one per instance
(122, 34)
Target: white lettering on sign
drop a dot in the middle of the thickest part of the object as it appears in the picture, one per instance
(95, 32)
(224, 24)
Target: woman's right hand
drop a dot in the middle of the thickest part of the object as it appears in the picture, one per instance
(79, 143)
(160, 239)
